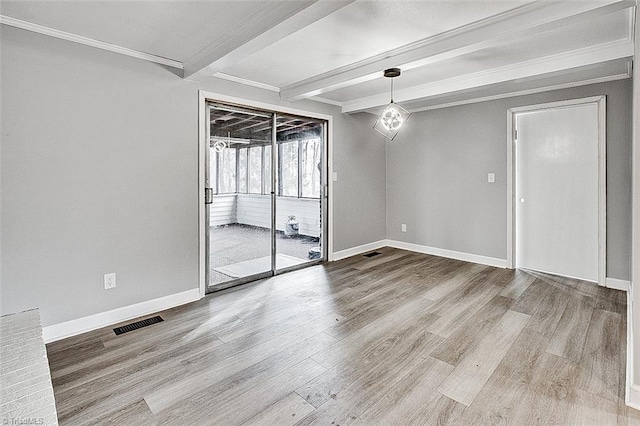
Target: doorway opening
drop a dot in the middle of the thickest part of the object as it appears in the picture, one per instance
(557, 188)
(266, 194)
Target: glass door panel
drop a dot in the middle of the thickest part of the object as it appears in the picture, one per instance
(300, 174)
(240, 215)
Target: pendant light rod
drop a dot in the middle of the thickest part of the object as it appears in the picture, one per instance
(392, 73)
(391, 90)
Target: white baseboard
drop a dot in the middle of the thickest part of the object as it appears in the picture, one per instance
(617, 284)
(77, 326)
(632, 394)
(467, 257)
(633, 397)
(343, 254)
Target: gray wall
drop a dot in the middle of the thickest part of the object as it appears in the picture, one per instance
(437, 175)
(364, 190)
(99, 163)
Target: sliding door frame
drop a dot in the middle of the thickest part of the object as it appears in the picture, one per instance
(204, 98)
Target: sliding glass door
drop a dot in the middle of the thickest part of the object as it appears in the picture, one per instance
(300, 175)
(265, 178)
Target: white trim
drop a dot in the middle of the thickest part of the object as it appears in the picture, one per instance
(617, 284)
(602, 190)
(561, 86)
(212, 96)
(632, 397)
(613, 283)
(353, 251)
(600, 101)
(510, 197)
(246, 82)
(202, 156)
(41, 29)
(77, 326)
(632, 394)
(203, 98)
(451, 254)
(326, 101)
(330, 186)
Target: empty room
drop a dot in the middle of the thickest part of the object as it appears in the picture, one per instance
(327, 212)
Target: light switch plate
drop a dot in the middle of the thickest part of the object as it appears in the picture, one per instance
(491, 177)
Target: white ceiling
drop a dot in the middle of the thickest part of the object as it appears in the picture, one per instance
(170, 29)
(335, 50)
(356, 32)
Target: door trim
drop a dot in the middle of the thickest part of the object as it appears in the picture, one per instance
(600, 101)
(203, 98)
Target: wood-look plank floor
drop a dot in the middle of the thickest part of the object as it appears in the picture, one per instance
(396, 339)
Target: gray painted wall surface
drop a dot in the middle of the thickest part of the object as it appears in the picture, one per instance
(437, 175)
(361, 179)
(99, 174)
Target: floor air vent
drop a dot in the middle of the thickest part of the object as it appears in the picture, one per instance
(373, 253)
(136, 325)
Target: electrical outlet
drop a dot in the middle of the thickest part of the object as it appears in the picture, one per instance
(491, 177)
(109, 281)
(404, 227)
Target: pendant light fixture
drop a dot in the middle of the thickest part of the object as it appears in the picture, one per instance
(393, 116)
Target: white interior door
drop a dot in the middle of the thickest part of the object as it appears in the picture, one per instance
(557, 191)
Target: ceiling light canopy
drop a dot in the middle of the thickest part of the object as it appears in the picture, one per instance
(393, 116)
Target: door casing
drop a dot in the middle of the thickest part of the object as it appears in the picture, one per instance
(600, 101)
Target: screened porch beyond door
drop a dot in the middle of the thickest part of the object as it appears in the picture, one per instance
(265, 176)
(241, 235)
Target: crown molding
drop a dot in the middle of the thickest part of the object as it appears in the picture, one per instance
(41, 29)
(524, 92)
(247, 82)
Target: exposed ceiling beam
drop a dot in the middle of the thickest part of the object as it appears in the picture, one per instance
(279, 125)
(269, 23)
(235, 123)
(511, 94)
(250, 126)
(549, 64)
(519, 22)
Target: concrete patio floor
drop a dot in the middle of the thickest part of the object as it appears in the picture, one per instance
(236, 243)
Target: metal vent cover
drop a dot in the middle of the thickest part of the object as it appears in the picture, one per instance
(136, 325)
(373, 253)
